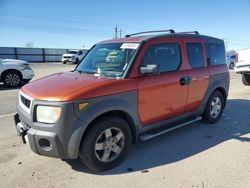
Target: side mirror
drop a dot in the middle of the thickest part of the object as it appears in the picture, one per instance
(150, 69)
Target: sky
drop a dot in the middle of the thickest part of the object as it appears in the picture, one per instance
(81, 23)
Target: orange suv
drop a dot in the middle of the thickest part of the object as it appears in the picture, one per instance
(124, 90)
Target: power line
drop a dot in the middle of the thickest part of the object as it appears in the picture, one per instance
(54, 28)
(69, 21)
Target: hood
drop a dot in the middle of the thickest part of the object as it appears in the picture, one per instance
(69, 55)
(71, 86)
(13, 61)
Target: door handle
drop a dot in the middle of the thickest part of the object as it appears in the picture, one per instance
(185, 80)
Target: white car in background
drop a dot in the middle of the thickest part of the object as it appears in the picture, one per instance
(73, 56)
(15, 72)
(242, 65)
(231, 61)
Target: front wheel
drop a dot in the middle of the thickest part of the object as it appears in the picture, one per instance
(214, 107)
(12, 79)
(77, 61)
(106, 144)
(246, 79)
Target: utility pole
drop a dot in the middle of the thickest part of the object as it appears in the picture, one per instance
(116, 31)
(120, 32)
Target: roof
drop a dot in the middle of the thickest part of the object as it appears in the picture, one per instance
(141, 38)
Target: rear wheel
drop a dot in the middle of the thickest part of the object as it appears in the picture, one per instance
(12, 78)
(214, 107)
(246, 79)
(105, 144)
(231, 66)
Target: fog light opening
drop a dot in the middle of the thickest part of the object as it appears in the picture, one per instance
(45, 144)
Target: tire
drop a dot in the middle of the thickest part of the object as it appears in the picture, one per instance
(77, 61)
(231, 65)
(214, 107)
(12, 78)
(26, 81)
(64, 62)
(106, 144)
(246, 79)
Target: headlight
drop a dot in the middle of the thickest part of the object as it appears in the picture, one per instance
(26, 66)
(47, 114)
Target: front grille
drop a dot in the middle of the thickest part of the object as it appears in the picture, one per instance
(25, 101)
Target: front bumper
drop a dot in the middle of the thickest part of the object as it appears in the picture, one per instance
(68, 60)
(40, 142)
(242, 68)
(28, 74)
(59, 140)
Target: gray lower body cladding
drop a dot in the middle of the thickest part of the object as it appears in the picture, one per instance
(63, 138)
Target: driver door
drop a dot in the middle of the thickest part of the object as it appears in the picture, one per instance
(162, 96)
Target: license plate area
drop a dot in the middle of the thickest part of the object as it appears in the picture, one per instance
(21, 128)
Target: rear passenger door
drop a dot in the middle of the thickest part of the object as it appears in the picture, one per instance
(161, 97)
(197, 72)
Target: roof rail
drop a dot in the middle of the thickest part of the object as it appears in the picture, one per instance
(157, 31)
(189, 32)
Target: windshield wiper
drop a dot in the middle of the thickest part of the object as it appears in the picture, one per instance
(85, 72)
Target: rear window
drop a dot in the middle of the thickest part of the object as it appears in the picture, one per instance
(195, 55)
(216, 54)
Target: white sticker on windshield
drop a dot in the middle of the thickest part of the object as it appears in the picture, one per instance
(130, 45)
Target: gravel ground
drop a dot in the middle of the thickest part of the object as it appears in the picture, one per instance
(200, 155)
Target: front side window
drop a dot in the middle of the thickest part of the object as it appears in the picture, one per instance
(167, 56)
(195, 55)
(108, 59)
(216, 54)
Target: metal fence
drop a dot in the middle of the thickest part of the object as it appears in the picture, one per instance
(34, 54)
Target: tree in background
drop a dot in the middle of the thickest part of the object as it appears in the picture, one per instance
(29, 44)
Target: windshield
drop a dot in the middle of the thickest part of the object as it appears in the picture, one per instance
(108, 59)
(72, 52)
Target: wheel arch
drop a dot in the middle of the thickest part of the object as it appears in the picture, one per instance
(119, 113)
(77, 138)
(215, 85)
(209, 93)
(222, 90)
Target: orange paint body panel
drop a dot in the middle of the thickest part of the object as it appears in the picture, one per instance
(200, 78)
(197, 88)
(161, 97)
(71, 86)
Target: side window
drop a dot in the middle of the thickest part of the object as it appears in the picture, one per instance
(80, 53)
(216, 54)
(195, 55)
(167, 56)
